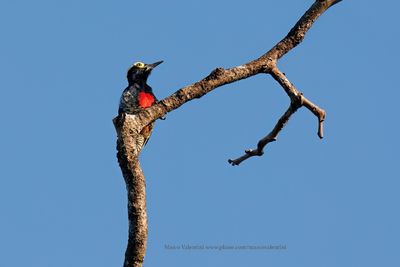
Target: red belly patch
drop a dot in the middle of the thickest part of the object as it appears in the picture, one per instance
(145, 99)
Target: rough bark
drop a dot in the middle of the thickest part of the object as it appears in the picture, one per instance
(128, 126)
(127, 155)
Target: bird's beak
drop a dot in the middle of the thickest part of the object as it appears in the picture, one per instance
(149, 67)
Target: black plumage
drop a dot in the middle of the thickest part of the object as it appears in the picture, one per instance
(138, 96)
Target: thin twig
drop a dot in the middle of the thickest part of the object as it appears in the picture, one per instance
(271, 137)
(297, 100)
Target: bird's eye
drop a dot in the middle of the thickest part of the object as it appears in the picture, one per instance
(139, 65)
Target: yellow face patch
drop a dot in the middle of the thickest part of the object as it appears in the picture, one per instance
(139, 65)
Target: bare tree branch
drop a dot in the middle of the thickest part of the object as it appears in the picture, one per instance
(294, 93)
(219, 77)
(271, 137)
(297, 100)
(129, 126)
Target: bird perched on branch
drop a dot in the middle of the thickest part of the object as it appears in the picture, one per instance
(138, 96)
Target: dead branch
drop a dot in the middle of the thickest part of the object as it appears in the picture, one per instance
(128, 126)
(297, 100)
(267, 63)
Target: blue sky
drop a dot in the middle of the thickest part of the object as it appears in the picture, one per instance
(332, 202)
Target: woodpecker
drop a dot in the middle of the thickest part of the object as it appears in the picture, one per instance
(138, 96)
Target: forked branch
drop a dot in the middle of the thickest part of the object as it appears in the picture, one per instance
(297, 100)
(128, 126)
(267, 63)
